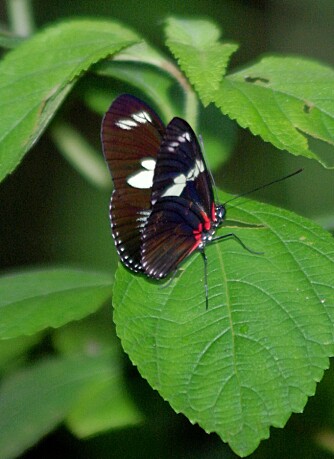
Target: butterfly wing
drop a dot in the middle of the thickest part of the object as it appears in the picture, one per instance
(182, 202)
(131, 136)
(173, 232)
(180, 169)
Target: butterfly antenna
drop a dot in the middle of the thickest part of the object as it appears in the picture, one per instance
(265, 185)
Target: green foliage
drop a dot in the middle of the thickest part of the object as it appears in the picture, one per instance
(279, 96)
(200, 54)
(32, 301)
(35, 81)
(256, 355)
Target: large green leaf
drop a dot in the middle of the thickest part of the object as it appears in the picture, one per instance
(255, 355)
(35, 77)
(33, 300)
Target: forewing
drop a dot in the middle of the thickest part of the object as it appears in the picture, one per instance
(170, 235)
(131, 136)
(181, 170)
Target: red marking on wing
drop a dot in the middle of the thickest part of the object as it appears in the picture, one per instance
(198, 232)
(207, 222)
(213, 212)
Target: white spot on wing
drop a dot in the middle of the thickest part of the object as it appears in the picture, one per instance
(174, 190)
(180, 181)
(148, 164)
(200, 166)
(143, 178)
(126, 124)
(142, 117)
(185, 137)
(181, 178)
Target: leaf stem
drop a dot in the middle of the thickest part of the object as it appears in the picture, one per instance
(21, 17)
(77, 151)
(191, 102)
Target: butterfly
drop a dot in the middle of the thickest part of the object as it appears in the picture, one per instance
(162, 208)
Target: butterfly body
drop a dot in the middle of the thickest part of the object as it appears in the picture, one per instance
(162, 208)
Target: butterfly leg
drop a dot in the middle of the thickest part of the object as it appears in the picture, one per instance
(229, 235)
(205, 259)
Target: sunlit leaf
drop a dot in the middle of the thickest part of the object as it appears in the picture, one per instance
(282, 99)
(41, 69)
(195, 43)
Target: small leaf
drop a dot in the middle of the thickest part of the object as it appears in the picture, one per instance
(255, 356)
(281, 98)
(34, 300)
(41, 69)
(35, 400)
(195, 43)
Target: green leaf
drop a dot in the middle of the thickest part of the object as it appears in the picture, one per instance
(255, 355)
(105, 403)
(280, 98)
(34, 300)
(35, 400)
(147, 69)
(152, 81)
(195, 43)
(92, 335)
(41, 71)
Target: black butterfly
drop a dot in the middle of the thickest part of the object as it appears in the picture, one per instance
(162, 207)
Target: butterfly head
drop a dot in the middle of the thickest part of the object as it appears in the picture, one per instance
(220, 213)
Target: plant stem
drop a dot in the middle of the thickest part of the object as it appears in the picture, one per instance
(20, 17)
(191, 102)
